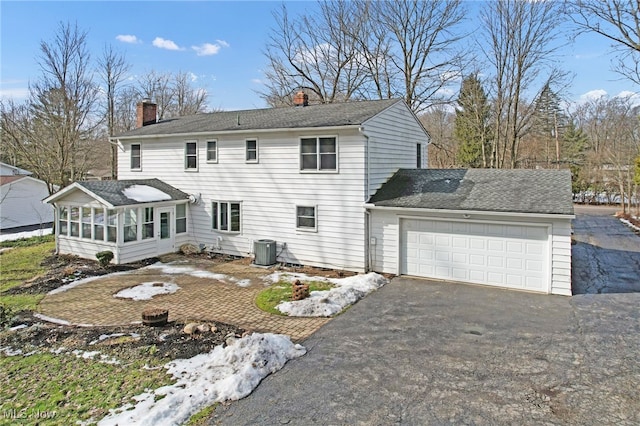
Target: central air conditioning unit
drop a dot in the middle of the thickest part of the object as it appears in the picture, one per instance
(265, 251)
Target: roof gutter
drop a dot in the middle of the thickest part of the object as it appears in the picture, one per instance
(467, 213)
(228, 132)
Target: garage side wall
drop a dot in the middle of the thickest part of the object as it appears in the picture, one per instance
(385, 254)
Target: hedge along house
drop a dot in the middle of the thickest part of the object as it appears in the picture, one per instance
(134, 219)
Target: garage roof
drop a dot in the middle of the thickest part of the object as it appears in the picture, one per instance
(518, 191)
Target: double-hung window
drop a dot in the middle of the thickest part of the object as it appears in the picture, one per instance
(306, 218)
(98, 224)
(226, 216)
(136, 157)
(130, 225)
(148, 224)
(212, 151)
(74, 222)
(181, 218)
(112, 225)
(85, 218)
(318, 154)
(191, 156)
(63, 220)
(251, 150)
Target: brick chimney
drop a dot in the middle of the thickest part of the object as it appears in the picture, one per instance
(146, 112)
(301, 99)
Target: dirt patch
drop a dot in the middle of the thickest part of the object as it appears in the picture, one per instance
(124, 343)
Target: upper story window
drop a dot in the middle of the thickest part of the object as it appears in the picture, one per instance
(136, 163)
(251, 148)
(212, 151)
(318, 154)
(191, 156)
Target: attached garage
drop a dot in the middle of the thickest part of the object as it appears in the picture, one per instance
(435, 224)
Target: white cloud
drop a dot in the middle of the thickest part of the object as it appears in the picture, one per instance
(593, 94)
(257, 81)
(222, 43)
(128, 38)
(17, 94)
(193, 77)
(206, 49)
(165, 44)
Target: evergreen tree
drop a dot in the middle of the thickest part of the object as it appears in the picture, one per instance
(549, 122)
(472, 123)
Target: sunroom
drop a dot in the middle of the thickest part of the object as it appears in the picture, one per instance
(134, 219)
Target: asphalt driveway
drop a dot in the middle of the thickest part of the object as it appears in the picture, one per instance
(426, 352)
(606, 256)
(421, 352)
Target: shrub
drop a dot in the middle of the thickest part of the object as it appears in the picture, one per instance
(104, 257)
(6, 316)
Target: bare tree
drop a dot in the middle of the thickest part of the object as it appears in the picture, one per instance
(439, 120)
(613, 131)
(112, 68)
(619, 22)
(50, 133)
(519, 40)
(188, 100)
(317, 53)
(424, 52)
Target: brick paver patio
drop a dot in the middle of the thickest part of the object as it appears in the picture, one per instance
(198, 299)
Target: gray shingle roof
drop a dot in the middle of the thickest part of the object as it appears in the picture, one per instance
(519, 191)
(112, 190)
(325, 115)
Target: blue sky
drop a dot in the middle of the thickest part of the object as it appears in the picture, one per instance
(219, 42)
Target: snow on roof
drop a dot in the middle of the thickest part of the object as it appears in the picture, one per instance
(225, 373)
(145, 194)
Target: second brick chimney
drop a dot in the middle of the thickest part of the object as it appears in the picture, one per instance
(301, 99)
(146, 113)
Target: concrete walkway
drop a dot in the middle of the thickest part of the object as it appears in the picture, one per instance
(419, 352)
(198, 299)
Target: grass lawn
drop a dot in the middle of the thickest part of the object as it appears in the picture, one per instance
(64, 389)
(19, 264)
(59, 389)
(269, 298)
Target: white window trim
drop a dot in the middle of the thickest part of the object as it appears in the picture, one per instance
(315, 218)
(217, 151)
(139, 169)
(318, 170)
(187, 169)
(228, 202)
(246, 150)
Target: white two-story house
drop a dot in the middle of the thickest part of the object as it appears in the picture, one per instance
(297, 175)
(341, 186)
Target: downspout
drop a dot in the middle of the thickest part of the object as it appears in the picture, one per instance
(367, 230)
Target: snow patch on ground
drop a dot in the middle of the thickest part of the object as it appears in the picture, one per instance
(93, 355)
(82, 281)
(111, 336)
(26, 234)
(50, 319)
(225, 373)
(629, 224)
(331, 302)
(174, 269)
(146, 291)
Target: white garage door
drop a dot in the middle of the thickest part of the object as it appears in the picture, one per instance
(514, 256)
